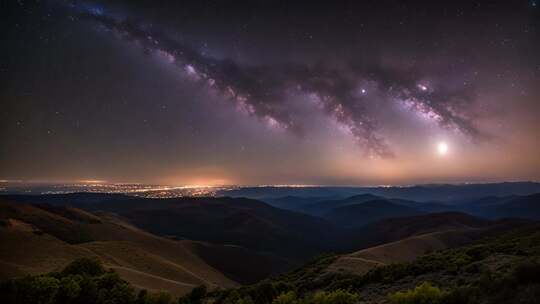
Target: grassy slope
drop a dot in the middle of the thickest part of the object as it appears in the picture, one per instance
(32, 244)
(404, 250)
(26, 252)
(491, 257)
(394, 229)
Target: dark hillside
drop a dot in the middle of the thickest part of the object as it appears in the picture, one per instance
(360, 214)
(231, 221)
(393, 229)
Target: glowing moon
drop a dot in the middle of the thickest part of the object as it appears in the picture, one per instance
(442, 148)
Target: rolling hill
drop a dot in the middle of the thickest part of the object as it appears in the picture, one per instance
(447, 193)
(505, 207)
(227, 221)
(494, 266)
(321, 208)
(404, 250)
(399, 240)
(42, 238)
(394, 229)
(295, 203)
(178, 244)
(358, 214)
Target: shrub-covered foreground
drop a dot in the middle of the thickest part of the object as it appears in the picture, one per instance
(84, 281)
(505, 269)
(521, 285)
(422, 294)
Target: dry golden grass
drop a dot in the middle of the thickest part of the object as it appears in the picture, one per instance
(404, 250)
(141, 280)
(31, 253)
(145, 260)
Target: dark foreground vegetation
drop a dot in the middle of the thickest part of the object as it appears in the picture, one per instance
(83, 281)
(505, 269)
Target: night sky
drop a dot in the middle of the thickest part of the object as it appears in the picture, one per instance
(270, 92)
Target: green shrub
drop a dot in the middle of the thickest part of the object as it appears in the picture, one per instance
(108, 280)
(245, 300)
(321, 297)
(69, 289)
(287, 298)
(334, 297)
(84, 266)
(121, 293)
(43, 290)
(89, 291)
(422, 294)
(161, 297)
(230, 298)
(473, 268)
(82, 282)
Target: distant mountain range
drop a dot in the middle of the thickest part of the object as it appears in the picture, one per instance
(355, 215)
(450, 193)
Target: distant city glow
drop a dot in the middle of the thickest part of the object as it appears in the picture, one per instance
(131, 189)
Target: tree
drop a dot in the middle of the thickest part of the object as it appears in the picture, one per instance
(108, 281)
(69, 290)
(120, 294)
(84, 266)
(40, 290)
(89, 291)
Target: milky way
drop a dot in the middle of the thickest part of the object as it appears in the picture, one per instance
(260, 90)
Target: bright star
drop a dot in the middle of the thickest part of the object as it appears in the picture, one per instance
(442, 148)
(422, 87)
